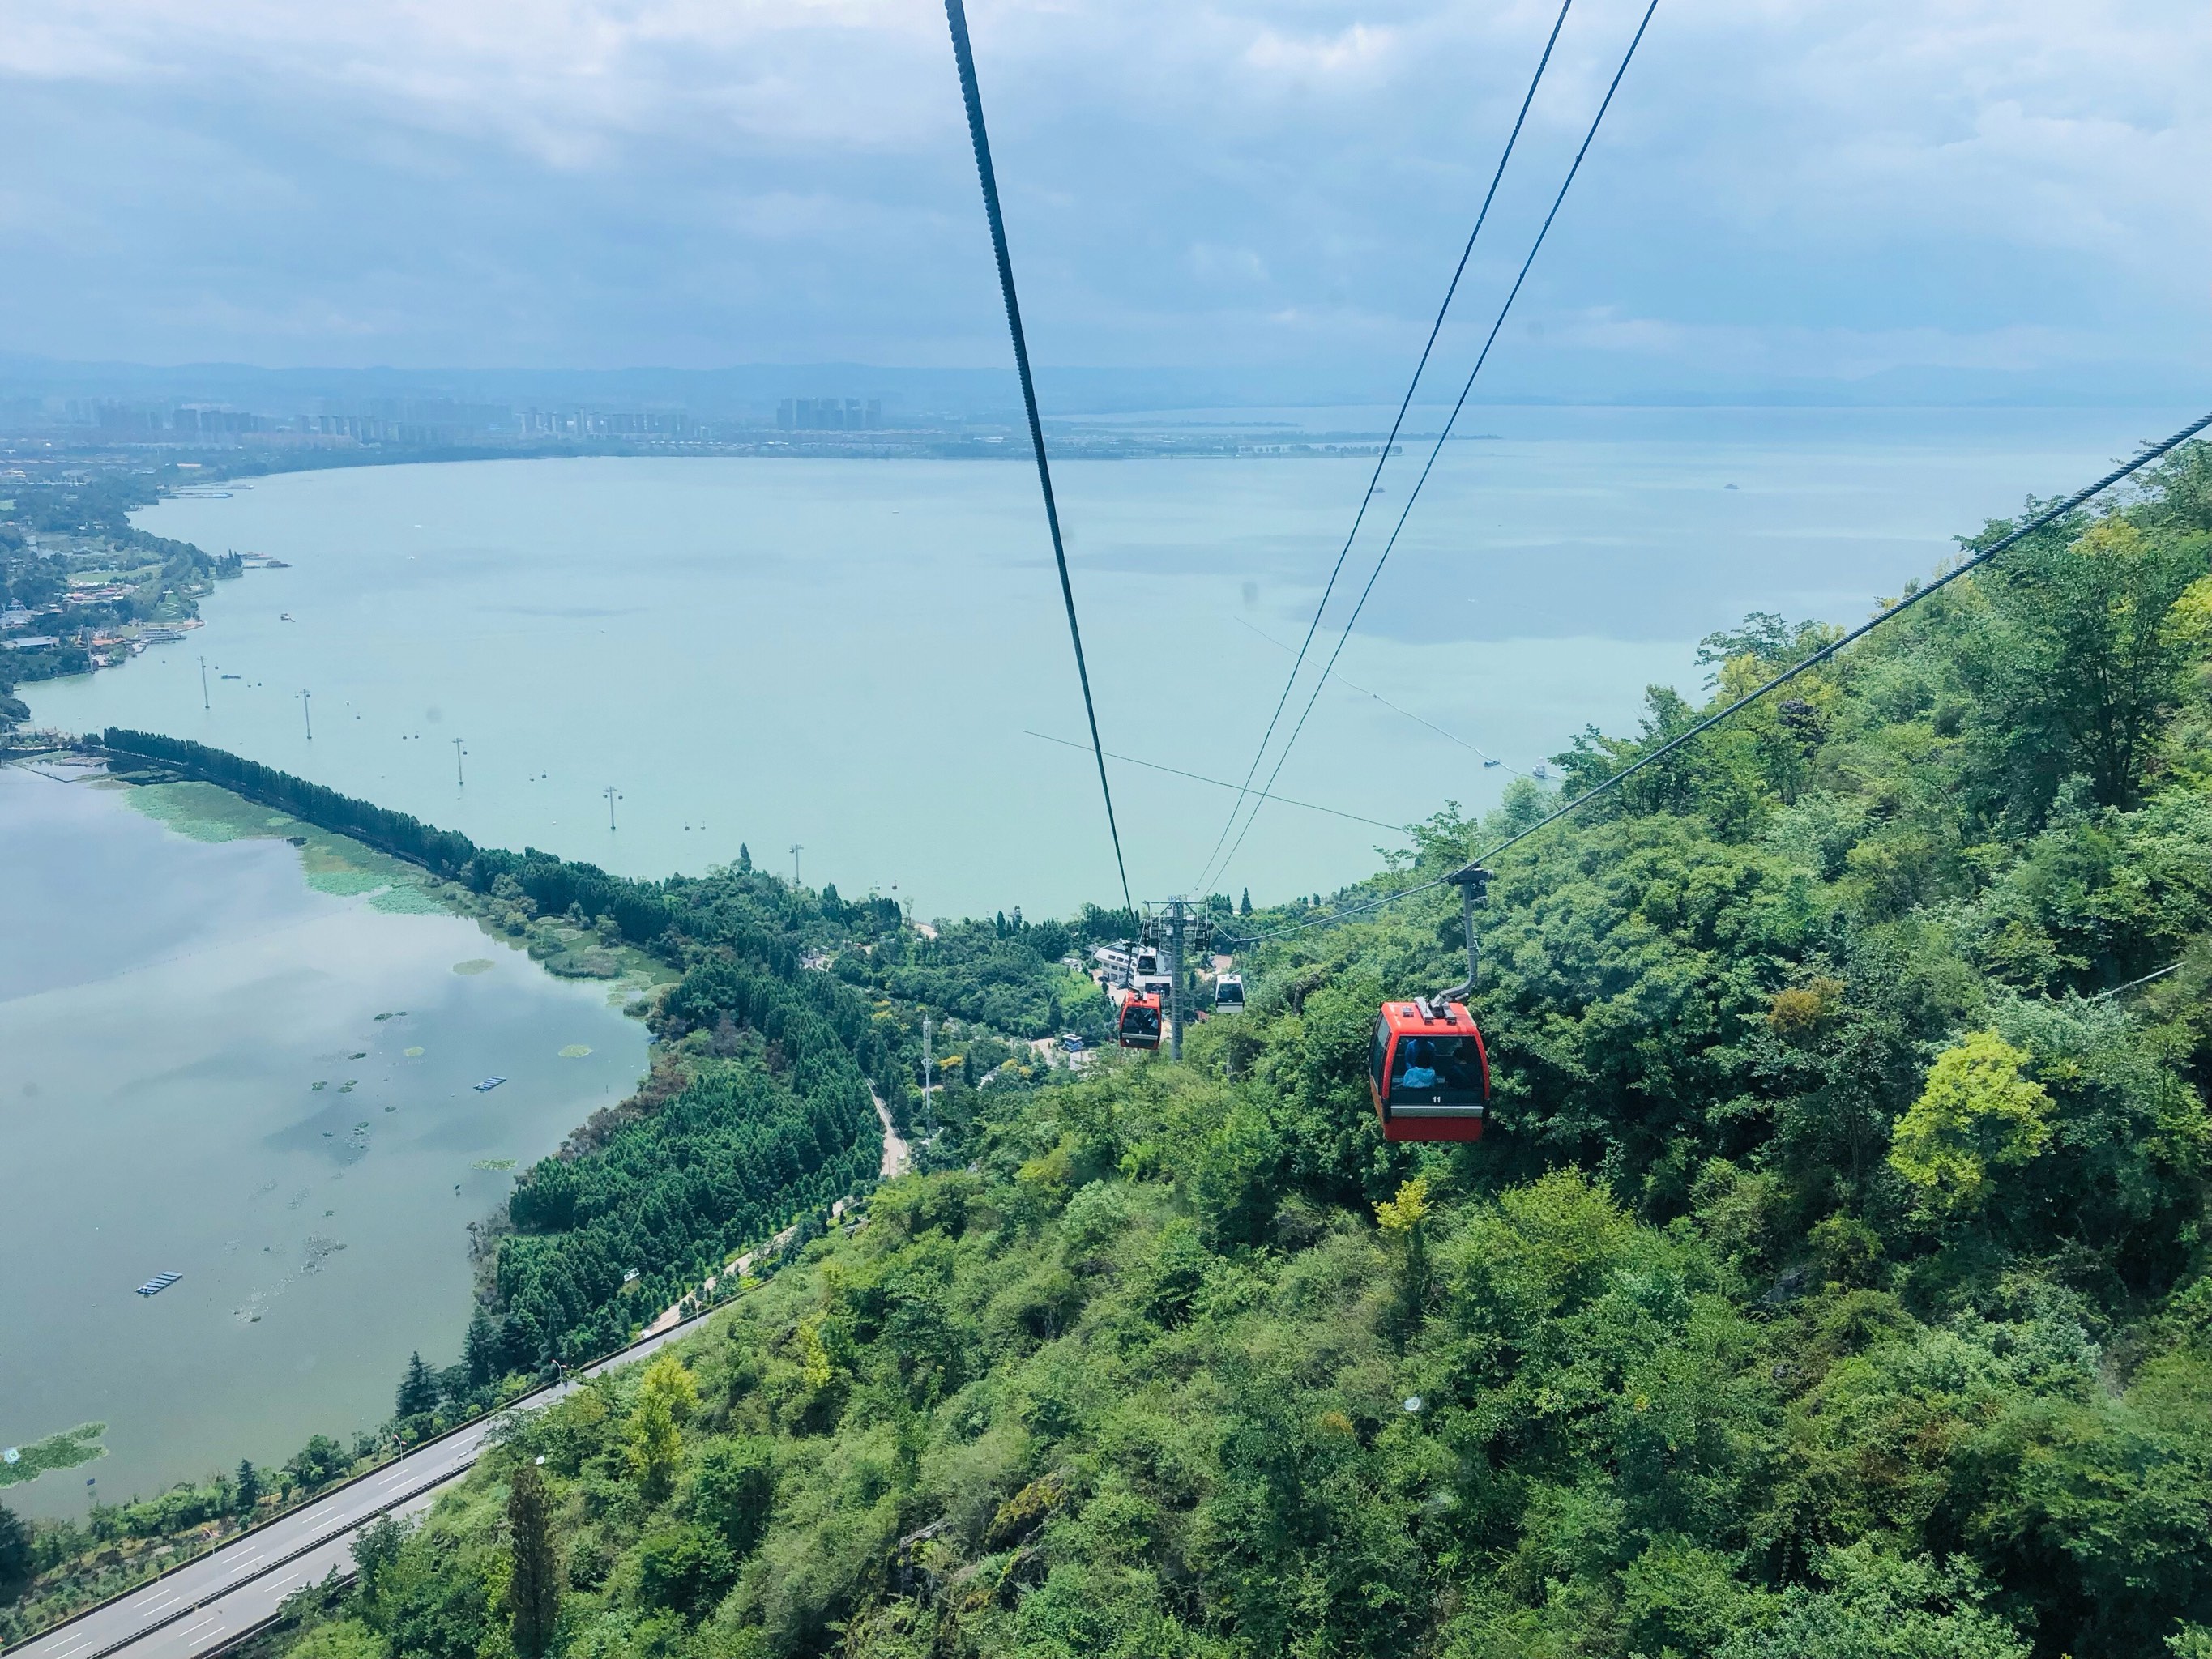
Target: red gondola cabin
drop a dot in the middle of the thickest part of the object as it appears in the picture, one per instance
(1140, 1023)
(1427, 1071)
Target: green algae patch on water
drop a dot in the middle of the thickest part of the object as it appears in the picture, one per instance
(205, 812)
(574, 1051)
(64, 1450)
(475, 965)
(341, 881)
(330, 863)
(409, 898)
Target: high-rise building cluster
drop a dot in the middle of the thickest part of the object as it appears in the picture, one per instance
(829, 415)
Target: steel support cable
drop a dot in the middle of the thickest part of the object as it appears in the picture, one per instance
(1484, 755)
(1406, 403)
(956, 15)
(1504, 310)
(2011, 538)
(1221, 783)
(2170, 967)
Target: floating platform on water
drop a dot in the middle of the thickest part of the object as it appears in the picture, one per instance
(488, 1084)
(158, 1283)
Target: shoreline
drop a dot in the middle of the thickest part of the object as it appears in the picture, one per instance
(396, 1207)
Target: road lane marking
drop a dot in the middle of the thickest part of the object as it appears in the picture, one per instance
(454, 1458)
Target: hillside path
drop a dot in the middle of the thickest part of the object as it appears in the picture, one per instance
(898, 1156)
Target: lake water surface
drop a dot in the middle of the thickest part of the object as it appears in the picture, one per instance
(209, 1066)
(853, 655)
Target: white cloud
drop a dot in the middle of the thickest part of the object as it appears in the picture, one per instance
(1793, 186)
(1358, 52)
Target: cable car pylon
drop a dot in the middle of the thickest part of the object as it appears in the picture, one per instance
(1178, 925)
(1169, 929)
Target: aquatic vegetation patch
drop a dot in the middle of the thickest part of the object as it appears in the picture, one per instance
(203, 813)
(408, 898)
(475, 965)
(330, 863)
(576, 1051)
(590, 963)
(341, 882)
(64, 1450)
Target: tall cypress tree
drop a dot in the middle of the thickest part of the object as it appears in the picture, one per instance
(14, 1556)
(481, 1348)
(534, 1589)
(418, 1389)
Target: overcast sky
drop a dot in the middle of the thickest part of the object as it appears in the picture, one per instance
(1786, 191)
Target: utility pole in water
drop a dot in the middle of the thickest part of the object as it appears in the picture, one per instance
(458, 751)
(612, 795)
(796, 849)
(307, 715)
(204, 703)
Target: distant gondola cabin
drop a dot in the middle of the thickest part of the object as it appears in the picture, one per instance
(1427, 1071)
(1140, 1023)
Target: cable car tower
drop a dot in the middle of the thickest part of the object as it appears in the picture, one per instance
(1176, 929)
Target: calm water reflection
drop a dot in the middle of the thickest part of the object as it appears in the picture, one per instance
(168, 1007)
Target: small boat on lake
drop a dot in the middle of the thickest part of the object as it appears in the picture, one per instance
(158, 1283)
(488, 1084)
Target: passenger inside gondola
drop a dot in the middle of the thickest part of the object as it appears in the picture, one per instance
(1430, 1064)
(1420, 1071)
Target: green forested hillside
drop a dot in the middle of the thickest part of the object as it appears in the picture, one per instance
(1830, 1285)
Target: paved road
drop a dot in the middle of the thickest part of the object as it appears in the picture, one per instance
(203, 1606)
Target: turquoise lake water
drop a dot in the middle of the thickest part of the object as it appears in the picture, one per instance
(168, 1006)
(851, 655)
